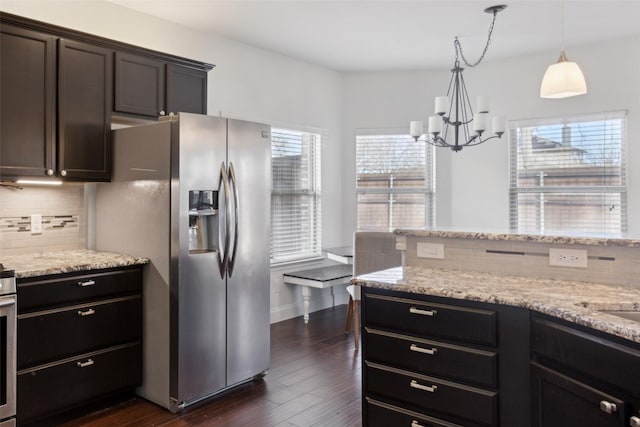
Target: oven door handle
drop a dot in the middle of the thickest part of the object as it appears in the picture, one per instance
(6, 303)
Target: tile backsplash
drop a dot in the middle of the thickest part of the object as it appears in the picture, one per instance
(64, 219)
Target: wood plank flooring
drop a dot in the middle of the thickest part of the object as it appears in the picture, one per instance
(314, 380)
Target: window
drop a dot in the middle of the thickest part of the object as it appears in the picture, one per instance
(568, 175)
(295, 195)
(394, 182)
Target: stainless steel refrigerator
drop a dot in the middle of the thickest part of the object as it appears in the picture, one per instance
(192, 194)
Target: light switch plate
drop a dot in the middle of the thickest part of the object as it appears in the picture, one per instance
(430, 250)
(36, 223)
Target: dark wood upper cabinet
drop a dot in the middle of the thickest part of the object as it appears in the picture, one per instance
(59, 88)
(84, 111)
(149, 87)
(186, 90)
(139, 85)
(27, 102)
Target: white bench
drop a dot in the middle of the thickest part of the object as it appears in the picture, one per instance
(323, 277)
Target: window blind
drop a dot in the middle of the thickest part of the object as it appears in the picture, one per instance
(295, 195)
(568, 175)
(394, 182)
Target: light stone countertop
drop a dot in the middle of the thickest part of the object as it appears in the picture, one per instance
(43, 264)
(631, 241)
(576, 302)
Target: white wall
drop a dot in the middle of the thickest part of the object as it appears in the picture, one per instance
(247, 83)
(472, 185)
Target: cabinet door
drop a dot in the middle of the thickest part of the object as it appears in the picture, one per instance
(560, 401)
(27, 104)
(186, 90)
(139, 84)
(84, 111)
(71, 382)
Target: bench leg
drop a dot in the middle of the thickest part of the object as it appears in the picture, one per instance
(356, 322)
(306, 294)
(349, 314)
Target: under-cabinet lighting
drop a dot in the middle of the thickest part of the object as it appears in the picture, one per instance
(39, 182)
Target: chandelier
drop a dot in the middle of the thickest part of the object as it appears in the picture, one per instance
(454, 112)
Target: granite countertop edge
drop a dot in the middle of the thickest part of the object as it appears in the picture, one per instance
(541, 295)
(60, 262)
(631, 242)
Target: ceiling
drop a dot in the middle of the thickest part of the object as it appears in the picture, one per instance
(364, 35)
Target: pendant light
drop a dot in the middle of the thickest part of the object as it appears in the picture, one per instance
(564, 78)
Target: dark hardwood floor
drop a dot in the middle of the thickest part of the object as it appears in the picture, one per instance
(314, 380)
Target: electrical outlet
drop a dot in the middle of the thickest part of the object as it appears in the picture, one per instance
(430, 250)
(576, 258)
(36, 223)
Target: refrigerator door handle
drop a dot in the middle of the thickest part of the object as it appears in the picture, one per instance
(236, 201)
(223, 253)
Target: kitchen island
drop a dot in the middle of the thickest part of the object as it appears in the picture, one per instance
(479, 329)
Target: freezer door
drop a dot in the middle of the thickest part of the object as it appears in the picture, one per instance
(198, 292)
(248, 340)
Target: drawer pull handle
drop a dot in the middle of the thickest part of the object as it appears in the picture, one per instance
(87, 283)
(86, 312)
(89, 362)
(431, 313)
(414, 423)
(608, 407)
(430, 389)
(415, 348)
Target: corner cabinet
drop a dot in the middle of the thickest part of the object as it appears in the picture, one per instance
(441, 362)
(79, 341)
(149, 87)
(55, 111)
(582, 377)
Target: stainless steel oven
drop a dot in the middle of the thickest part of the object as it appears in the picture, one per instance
(7, 347)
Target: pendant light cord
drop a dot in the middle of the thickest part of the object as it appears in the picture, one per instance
(562, 26)
(458, 46)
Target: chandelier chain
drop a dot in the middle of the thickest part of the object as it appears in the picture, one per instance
(458, 46)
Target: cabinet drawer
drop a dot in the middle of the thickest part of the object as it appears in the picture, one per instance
(62, 385)
(560, 401)
(604, 360)
(380, 414)
(48, 335)
(33, 295)
(432, 357)
(476, 406)
(437, 320)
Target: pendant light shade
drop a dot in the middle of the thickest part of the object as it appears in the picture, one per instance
(563, 79)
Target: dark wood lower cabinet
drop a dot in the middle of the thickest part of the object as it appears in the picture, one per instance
(434, 361)
(385, 415)
(81, 347)
(560, 401)
(51, 388)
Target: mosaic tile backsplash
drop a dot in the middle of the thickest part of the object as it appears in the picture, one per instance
(64, 219)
